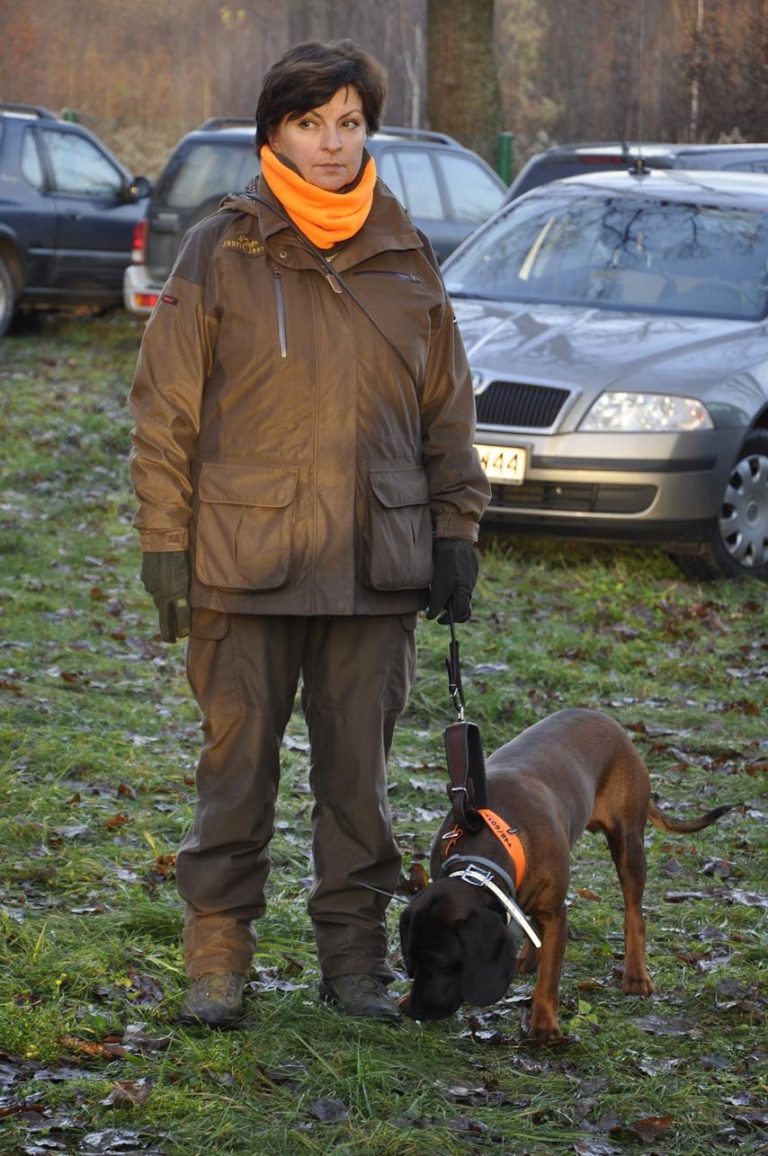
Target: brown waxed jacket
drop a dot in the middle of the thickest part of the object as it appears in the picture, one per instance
(278, 435)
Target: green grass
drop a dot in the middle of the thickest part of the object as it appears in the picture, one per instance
(98, 743)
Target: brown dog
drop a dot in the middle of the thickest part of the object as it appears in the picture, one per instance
(575, 769)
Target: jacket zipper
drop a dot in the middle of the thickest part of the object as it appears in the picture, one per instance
(387, 273)
(280, 295)
(280, 303)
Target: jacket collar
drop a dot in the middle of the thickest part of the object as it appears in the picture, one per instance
(388, 227)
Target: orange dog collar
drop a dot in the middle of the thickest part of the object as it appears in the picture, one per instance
(507, 836)
(509, 840)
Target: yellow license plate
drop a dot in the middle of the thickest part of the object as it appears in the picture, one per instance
(504, 463)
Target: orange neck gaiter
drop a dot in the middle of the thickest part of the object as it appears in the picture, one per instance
(325, 217)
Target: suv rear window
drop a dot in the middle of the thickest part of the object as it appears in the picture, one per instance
(411, 177)
(472, 193)
(557, 168)
(208, 168)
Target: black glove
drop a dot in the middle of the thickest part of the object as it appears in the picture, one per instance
(166, 576)
(453, 579)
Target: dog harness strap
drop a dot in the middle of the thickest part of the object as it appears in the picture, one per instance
(509, 840)
(451, 839)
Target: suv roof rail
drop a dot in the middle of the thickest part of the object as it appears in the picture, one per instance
(227, 121)
(28, 110)
(419, 134)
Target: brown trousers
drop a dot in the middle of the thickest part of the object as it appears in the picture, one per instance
(355, 678)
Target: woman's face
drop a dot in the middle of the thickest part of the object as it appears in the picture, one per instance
(326, 144)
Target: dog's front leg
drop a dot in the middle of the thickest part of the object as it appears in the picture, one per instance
(553, 928)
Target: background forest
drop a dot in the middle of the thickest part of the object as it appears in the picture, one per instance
(143, 73)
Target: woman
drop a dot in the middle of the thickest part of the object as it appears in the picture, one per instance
(304, 464)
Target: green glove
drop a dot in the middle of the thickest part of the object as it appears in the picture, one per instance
(453, 579)
(166, 576)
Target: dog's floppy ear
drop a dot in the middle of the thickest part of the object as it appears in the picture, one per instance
(489, 958)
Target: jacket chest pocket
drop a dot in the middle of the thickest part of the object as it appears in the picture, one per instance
(399, 530)
(244, 535)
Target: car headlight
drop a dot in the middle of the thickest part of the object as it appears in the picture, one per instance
(619, 412)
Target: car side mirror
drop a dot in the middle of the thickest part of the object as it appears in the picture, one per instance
(138, 188)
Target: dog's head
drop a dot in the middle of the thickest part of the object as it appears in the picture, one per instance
(457, 949)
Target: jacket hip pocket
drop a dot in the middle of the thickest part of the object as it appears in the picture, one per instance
(244, 534)
(400, 530)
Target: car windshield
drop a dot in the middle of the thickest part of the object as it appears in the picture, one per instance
(620, 252)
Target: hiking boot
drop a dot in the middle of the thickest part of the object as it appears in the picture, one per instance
(359, 995)
(214, 999)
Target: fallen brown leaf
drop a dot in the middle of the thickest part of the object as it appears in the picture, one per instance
(107, 1050)
(650, 1127)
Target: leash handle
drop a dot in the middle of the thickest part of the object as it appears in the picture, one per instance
(455, 689)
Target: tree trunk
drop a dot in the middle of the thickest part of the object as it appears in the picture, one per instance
(462, 86)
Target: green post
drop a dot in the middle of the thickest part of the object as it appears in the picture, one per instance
(504, 147)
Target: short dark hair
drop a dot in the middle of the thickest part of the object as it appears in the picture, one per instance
(309, 75)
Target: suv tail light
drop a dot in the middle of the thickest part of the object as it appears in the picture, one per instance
(139, 242)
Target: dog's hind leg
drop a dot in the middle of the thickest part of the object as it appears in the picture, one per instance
(527, 960)
(628, 853)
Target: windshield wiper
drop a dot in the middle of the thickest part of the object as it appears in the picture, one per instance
(466, 295)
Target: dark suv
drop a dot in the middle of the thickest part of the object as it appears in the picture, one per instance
(575, 160)
(68, 210)
(447, 189)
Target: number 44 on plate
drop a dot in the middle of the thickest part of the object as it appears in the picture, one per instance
(503, 463)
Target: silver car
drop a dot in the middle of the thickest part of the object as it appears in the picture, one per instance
(616, 330)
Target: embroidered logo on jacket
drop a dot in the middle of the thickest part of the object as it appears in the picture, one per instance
(245, 245)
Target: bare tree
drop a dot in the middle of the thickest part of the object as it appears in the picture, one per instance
(462, 88)
(144, 73)
(728, 74)
(392, 31)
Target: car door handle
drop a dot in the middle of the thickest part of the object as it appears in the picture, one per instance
(74, 216)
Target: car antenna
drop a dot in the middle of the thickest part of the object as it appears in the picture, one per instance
(639, 166)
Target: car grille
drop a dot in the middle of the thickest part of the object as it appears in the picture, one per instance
(574, 497)
(518, 404)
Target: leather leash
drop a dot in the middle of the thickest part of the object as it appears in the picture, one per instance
(468, 793)
(463, 750)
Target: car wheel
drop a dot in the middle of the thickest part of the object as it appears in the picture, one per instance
(7, 297)
(738, 547)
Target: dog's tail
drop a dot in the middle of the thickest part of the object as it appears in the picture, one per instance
(681, 826)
